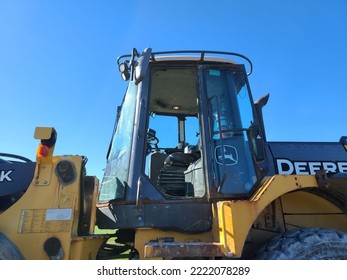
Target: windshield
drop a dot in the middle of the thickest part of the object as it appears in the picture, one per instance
(115, 179)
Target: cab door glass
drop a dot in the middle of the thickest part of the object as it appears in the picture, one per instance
(230, 117)
(246, 112)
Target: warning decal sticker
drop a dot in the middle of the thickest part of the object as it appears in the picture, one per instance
(45, 220)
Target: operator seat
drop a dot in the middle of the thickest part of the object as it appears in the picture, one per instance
(172, 177)
(156, 163)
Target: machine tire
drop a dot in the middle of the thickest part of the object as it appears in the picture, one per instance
(8, 250)
(306, 244)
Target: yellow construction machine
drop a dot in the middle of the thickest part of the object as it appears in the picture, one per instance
(189, 175)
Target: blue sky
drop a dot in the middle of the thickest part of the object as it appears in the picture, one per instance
(58, 64)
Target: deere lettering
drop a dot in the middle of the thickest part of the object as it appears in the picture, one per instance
(287, 167)
(5, 176)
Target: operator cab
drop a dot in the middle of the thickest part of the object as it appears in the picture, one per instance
(186, 133)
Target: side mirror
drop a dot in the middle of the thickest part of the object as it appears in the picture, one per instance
(259, 104)
(257, 142)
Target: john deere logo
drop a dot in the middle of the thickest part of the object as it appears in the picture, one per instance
(228, 157)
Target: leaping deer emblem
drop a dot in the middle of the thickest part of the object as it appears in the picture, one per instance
(228, 156)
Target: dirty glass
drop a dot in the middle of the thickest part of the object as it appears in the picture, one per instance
(115, 178)
(231, 116)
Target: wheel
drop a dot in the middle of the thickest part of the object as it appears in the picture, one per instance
(9, 251)
(306, 244)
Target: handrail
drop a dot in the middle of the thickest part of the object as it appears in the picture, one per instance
(202, 54)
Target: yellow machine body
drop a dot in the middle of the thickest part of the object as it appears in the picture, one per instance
(50, 210)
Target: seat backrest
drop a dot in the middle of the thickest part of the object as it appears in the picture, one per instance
(156, 163)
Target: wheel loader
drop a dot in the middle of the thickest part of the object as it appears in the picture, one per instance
(189, 174)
